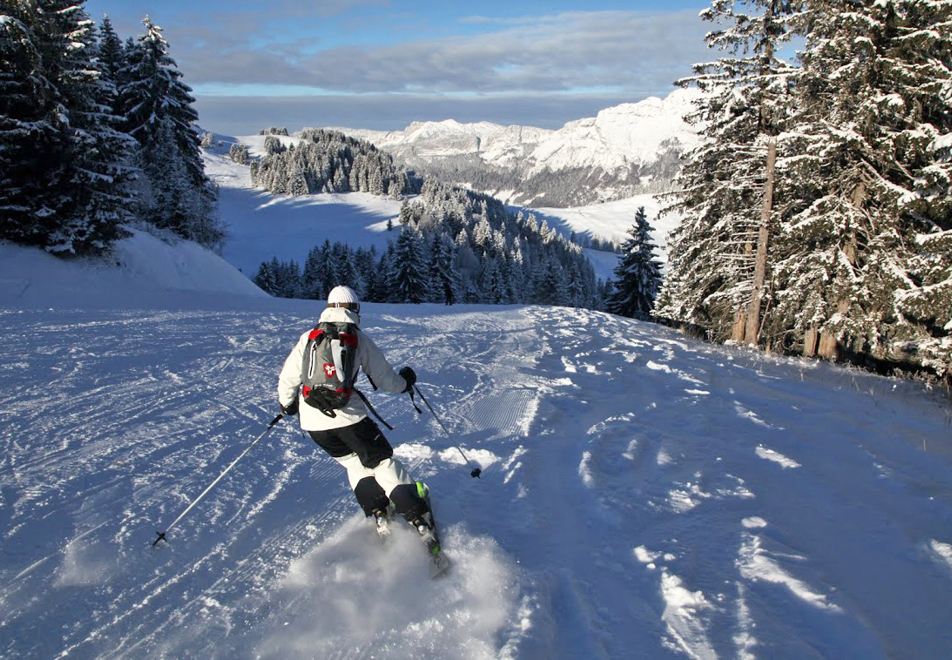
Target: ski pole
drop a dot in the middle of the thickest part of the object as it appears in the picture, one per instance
(212, 484)
(476, 471)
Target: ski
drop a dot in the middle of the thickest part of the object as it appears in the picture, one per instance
(430, 535)
(426, 528)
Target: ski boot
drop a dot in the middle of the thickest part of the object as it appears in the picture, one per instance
(426, 527)
(382, 518)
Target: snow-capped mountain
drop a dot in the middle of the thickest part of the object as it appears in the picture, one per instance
(625, 150)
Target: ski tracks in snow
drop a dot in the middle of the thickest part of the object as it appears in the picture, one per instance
(643, 495)
(115, 421)
(673, 515)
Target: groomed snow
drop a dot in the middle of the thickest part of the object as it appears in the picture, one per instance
(642, 495)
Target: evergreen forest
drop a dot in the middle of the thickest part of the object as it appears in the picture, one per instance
(818, 210)
(95, 134)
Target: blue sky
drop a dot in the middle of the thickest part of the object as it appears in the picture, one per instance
(382, 64)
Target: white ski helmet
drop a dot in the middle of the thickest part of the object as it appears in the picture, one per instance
(343, 296)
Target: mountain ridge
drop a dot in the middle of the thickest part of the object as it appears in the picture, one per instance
(623, 151)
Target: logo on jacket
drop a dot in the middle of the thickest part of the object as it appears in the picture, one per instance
(329, 369)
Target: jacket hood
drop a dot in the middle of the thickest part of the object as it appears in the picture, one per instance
(339, 315)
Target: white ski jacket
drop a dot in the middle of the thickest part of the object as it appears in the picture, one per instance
(369, 357)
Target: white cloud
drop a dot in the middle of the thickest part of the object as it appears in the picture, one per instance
(616, 50)
(533, 70)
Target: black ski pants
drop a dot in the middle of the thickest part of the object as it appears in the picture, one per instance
(366, 442)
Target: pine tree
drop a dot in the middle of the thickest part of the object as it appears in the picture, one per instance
(873, 190)
(102, 164)
(31, 127)
(111, 55)
(638, 274)
(348, 274)
(721, 188)
(551, 285)
(444, 280)
(158, 112)
(409, 279)
(266, 278)
(381, 285)
(315, 282)
(70, 194)
(491, 282)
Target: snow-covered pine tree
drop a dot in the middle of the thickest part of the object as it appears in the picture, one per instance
(266, 278)
(409, 278)
(297, 181)
(863, 247)
(239, 153)
(576, 286)
(517, 272)
(721, 187)
(319, 277)
(491, 282)
(280, 278)
(444, 280)
(348, 274)
(98, 192)
(551, 283)
(925, 73)
(289, 279)
(638, 273)
(31, 127)
(156, 105)
(366, 261)
(380, 290)
(63, 163)
(111, 55)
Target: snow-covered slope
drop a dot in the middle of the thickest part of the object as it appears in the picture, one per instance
(611, 221)
(612, 155)
(140, 271)
(642, 495)
(262, 226)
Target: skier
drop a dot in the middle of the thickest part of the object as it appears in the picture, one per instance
(340, 425)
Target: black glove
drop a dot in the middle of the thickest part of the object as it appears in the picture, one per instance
(291, 409)
(410, 376)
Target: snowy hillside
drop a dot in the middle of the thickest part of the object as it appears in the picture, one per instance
(643, 494)
(610, 156)
(262, 225)
(140, 271)
(611, 221)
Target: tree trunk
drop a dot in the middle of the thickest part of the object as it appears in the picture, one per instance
(810, 339)
(829, 344)
(763, 239)
(829, 348)
(740, 323)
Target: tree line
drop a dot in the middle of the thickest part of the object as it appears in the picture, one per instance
(95, 134)
(818, 209)
(328, 161)
(453, 245)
